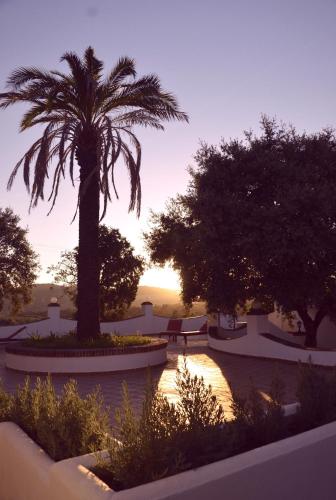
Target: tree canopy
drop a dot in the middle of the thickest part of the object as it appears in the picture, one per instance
(120, 271)
(258, 222)
(89, 119)
(18, 262)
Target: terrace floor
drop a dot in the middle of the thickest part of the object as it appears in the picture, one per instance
(217, 368)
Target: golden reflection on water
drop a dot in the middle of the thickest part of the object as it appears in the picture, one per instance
(202, 366)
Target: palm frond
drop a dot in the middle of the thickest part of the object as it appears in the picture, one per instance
(124, 68)
(21, 76)
(75, 104)
(92, 64)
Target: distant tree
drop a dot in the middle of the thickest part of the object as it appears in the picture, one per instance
(258, 222)
(18, 262)
(89, 119)
(120, 271)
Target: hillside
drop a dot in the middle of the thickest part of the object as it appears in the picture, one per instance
(42, 294)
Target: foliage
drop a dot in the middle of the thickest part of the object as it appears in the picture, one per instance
(166, 438)
(170, 438)
(84, 101)
(257, 421)
(120, 271)
(316, 393)
(71, 341)
(197, 405)
(65, 425)
(258, 222)
(18, 262)
(88, 119)
(6, 404)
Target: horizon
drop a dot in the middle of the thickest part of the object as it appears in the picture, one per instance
(142, 286)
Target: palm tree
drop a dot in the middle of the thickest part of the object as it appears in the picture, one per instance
(89, 119)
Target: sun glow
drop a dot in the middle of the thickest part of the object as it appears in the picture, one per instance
(204, 366)
(163, 277)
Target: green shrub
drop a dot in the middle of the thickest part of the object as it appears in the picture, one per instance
(71, 341)
(316, 393)
(256, 421)
(166, 438)
(198, 406)
(6, 403)
(146, 450)
(64, 425)
(170, 438)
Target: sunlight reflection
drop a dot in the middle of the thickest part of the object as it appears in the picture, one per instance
(203, 366)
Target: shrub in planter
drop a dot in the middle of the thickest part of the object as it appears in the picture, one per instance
(71, 341)
(316, 393)
(64, 425)
(161, 441)
(256, 421)
(6, 403)
(169, 438)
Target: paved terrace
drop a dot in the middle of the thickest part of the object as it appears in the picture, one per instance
(217, 368)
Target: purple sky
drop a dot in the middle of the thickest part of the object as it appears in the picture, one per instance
(226, 61)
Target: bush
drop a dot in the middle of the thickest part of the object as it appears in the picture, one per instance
(166, 438)
(170, 438)
(71, 341)
(6, 403)
(257, 421)
(316, 393)
(64, 426)
(163, 440)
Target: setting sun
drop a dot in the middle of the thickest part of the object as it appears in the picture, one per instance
(163, 277)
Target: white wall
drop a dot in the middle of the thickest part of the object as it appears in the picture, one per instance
(147, 323)
(86, 364)
(300, 467)
(255, 345)
(326, 335)
(24, 467)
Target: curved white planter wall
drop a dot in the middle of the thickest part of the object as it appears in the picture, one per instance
(85, 364)
(255, 345)
(299, 467)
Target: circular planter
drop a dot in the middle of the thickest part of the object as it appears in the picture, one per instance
(96, 360)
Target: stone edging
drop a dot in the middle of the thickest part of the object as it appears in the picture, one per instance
(155, 345)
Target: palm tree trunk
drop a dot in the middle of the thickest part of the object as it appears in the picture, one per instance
(88, 262)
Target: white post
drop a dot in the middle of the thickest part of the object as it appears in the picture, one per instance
(257, 320)
(147, 309)
(54, 315)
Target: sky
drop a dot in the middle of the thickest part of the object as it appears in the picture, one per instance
(227, 62)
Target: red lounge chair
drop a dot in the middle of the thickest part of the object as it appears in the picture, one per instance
(173, 329)
(202, 331)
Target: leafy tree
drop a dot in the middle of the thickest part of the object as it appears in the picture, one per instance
(120, 271)
(258, 222)
(18, 262)
(90, 119)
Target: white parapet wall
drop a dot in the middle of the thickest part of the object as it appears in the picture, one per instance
(254, 344)
(24, 467)
(145, 323)
(86, 360)
(300, 467)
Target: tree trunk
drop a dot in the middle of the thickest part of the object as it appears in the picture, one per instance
(88, 325)
(311, 325)
(311, 336)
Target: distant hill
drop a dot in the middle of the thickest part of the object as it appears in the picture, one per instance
(157, 296)
(166, 303)
(42, 293)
